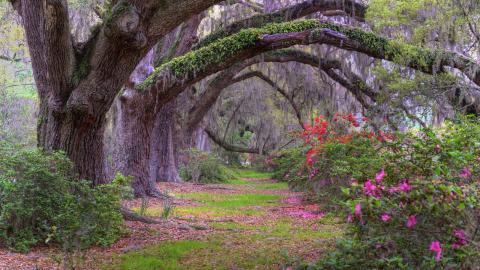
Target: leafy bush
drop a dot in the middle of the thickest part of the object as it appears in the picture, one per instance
(333, 153)
(41, 201)
(421, 210)
(289, 166)
(202, 167)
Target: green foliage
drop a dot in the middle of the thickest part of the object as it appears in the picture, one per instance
(202, 167)
(432, 178)
(168, 207)
(336, 164)
(289, 165)
(41, 201)
(225, 48)
(222, 49)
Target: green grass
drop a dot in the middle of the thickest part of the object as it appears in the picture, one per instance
(232, 200)
(209, 211)
(259, 184)
(165, 256)
(237, 244)
(220, 205)
(262, 247)
(248, 173)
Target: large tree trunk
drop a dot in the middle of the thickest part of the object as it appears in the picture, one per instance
(81, 138)
(134, 135)
(164, 158)
(157, 150)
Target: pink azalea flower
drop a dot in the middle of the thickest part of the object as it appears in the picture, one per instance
(349, 218)
(358, 209)
(461, 239)
(411, 221)
(465, 173)
(393, 189)
(435, 247)
(386, 217)
(369, 188)
(379, 177)
(405, 186)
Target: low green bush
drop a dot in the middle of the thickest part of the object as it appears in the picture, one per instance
(42, 202)
(203, 167)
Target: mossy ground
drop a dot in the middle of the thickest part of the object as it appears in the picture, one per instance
(247, 226)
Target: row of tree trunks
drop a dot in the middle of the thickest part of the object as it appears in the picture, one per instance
(147, 137)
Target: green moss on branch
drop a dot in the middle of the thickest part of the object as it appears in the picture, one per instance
(359, 40)
(224, 48)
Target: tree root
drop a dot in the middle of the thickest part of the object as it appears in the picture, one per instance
(158, 194)
(132, 216)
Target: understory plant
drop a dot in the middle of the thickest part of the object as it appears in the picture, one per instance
(333, 152)
(203, 167)
(43, 202)
(419, 210)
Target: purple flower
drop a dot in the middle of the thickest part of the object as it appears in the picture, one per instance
(349, 218)
(386, 217)
(465, 173)
(405, 186)
(411, 221)
(369, 188)
(379, 177)
(461, 239)
(358, 209)
(436, 247)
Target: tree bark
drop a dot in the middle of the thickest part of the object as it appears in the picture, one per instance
(77, 83)
(164, 159)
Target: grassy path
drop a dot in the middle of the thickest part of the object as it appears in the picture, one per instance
(249, 223)
(252, 223)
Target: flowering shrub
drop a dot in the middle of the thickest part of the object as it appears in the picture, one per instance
(412, 224)
(410, 199)
(333, 152)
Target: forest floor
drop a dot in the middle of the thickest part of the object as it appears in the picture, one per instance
(249, 223)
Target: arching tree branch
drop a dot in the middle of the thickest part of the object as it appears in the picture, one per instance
(170, 79)
(230, 147)
(349, 7)
(289, 98)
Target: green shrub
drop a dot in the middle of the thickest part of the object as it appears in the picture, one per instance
(340, 154)
(203, 167)
(289, 166)
(421, 210)
(42, 202)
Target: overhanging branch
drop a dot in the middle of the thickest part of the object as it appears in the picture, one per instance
(171, 78)
(230, 147)
(349, 7)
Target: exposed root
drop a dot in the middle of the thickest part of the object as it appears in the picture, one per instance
(158, 194)
(132, 216)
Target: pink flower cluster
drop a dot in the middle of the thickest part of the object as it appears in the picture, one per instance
(376, 190)
(437, 248)
(465, 173)
(411, 221)
(461, 239)
(305, 214)
(404, 186)
(371, 189)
